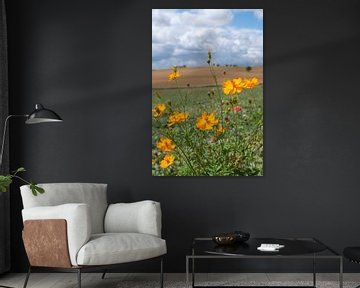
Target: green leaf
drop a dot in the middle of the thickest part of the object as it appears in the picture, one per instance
(33, 190)
(5, 182)
(20, 169)
(36, 189)
(40, 190)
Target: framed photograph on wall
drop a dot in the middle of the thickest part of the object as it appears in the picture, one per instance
(207, 92)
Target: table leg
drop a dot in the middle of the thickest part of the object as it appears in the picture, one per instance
(193, 268)
(193, 272)
(314, 271)
(341, 273)
(187, 272)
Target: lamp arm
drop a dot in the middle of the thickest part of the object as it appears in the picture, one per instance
(4, 134)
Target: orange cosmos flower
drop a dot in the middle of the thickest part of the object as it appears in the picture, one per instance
(206, 121)
(177, 117)
(159, 110)
(165, 144)
(251, 83)
(167, 161)
(233, 86)
(174, 75)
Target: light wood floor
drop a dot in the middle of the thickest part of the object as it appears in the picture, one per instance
(68, 280)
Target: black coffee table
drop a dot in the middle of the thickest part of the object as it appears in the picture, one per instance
(295, 248)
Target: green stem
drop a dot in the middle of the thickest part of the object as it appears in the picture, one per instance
(20, 178)
(218, 91)
(187, 160)
(196, 152)
(220, 100)
(181, 95)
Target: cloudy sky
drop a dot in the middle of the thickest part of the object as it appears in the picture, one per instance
(183, 37)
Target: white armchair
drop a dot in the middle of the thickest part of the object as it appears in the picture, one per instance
(72, 228)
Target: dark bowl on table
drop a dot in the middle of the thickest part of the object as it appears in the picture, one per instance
(231, 238)
(225, 239)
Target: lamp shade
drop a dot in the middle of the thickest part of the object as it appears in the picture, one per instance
(42, 115)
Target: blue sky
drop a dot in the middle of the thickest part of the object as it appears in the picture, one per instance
(183, 37)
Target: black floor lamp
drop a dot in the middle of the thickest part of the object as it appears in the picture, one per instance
(39, 115)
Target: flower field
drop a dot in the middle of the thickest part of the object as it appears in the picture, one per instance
(208, 131)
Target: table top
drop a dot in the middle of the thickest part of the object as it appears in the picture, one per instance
(292, 247)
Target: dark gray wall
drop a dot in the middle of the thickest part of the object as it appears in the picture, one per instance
(4, 166)
(91, 62)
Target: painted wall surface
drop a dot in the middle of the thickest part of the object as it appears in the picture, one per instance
(90, 61)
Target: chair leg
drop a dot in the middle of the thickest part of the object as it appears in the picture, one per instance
(27, 277)
(79, 277)
(161, 272)
(103, 275)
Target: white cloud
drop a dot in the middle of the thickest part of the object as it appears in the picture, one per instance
(195, 17)
(258, 13)
(184, 37)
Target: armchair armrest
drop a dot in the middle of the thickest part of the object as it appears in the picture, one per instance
(77, 217)
(138, 217)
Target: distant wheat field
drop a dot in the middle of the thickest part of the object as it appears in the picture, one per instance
(201, 76)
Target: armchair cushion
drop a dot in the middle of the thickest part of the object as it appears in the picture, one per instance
(78, 221)
(113, 248)
(138, 217)
(92, 194)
